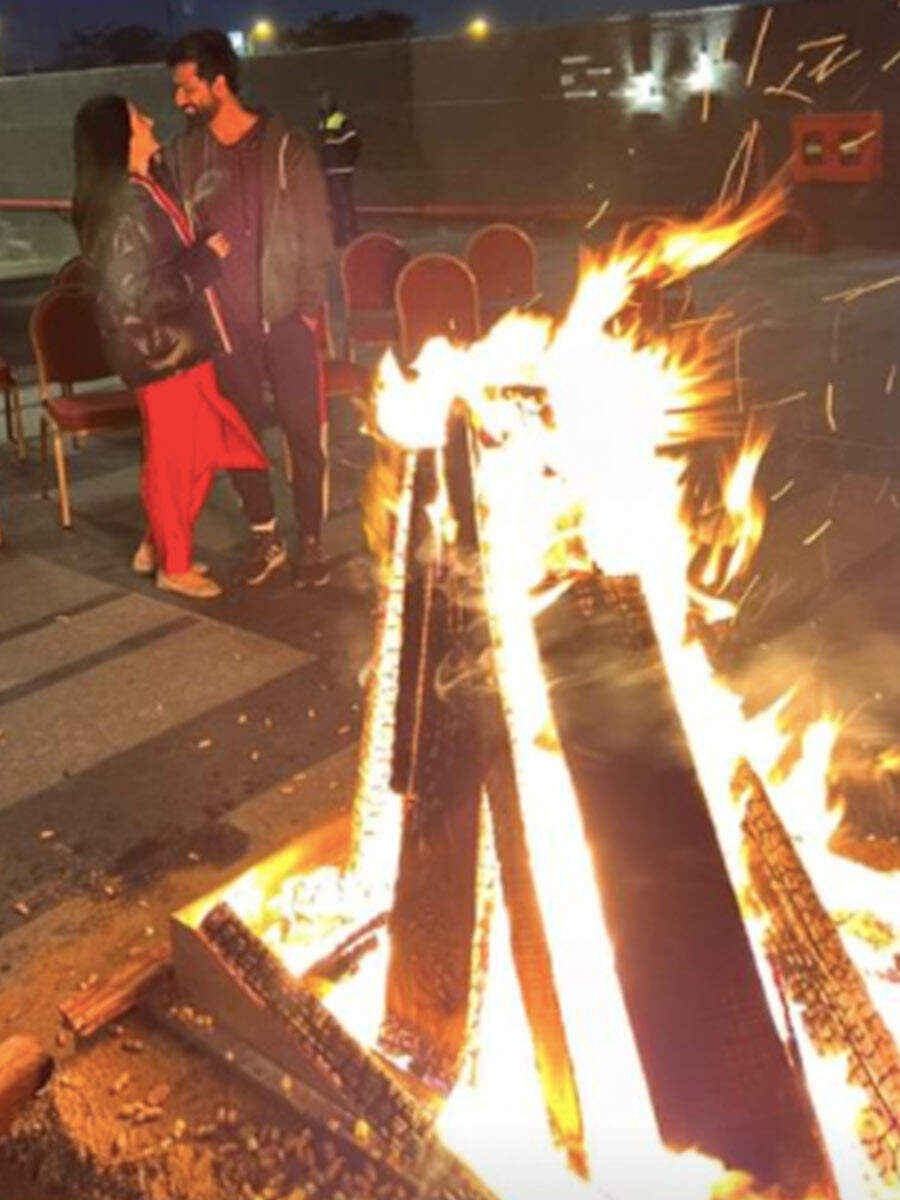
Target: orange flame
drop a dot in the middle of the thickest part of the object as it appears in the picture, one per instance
(586, 427)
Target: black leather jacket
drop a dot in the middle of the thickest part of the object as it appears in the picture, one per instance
(296, 244)
(156, 310)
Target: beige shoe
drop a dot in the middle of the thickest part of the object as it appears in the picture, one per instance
(191, 583)
(144, 561)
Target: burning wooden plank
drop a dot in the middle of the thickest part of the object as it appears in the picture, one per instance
(436, 770)
(818, 975)
(453, 743)
(345, 1069)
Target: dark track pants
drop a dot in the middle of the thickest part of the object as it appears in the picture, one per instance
(287, 362)
(342, 202)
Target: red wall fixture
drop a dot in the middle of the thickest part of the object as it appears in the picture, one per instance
(837, 147)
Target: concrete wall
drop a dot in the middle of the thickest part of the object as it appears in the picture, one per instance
(449, 120)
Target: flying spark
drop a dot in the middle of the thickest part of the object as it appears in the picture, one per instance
(829, 408)
(792, 399)
(598, 215)
(757, 49)
(854, 293)
(783, 491)
(817, 533)
(784, 88)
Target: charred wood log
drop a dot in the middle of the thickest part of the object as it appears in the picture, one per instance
(24, 1068)
(819, 975)
(88, 1011)
(352, 1073)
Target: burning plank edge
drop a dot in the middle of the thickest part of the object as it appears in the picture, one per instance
(347, 1069)
(302, 1099)
(817, 974)
(276, 1030)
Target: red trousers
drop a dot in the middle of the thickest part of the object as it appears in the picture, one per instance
(190, 432)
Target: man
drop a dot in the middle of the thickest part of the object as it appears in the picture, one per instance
(339, 145)
(244, 174)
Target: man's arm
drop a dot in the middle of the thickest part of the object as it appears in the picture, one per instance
(306, 185)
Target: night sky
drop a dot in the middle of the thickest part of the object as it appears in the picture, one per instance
(31, 29)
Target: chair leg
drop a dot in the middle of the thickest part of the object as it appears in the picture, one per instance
(287, 459)
(7, 412)
(62, 480)
(43, 456)
(326, 474)
(18, 423)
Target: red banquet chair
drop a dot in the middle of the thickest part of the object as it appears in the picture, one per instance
(68, 351)
(73, 274)
(504, 261)
(435, 295)
(369, 269)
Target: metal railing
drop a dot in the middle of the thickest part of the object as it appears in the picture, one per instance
(541, 213)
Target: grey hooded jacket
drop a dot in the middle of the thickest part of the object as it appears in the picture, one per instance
(296, 243)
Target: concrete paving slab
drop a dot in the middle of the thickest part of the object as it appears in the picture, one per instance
(33, 590)
(94, 684)
(72, 643)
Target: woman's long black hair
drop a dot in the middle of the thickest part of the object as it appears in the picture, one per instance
(102, 137)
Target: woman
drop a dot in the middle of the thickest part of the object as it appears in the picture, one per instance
(160, 325)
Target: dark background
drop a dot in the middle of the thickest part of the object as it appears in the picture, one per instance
(453, 121)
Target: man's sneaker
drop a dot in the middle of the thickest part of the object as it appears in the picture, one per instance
(312, 570)
(267, 553)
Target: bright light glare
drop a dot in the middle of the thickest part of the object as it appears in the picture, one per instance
(703, 75)
(478, 28)
(644, 91)
(263, 31)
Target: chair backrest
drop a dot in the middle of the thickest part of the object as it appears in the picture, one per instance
(435, 295)
(369, 269)
(504, 262)
(65, 338)
(73, 273)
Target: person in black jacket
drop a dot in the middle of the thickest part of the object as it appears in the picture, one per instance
(161, 324)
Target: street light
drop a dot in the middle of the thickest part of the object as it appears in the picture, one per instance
(262, 31)
(478, 28)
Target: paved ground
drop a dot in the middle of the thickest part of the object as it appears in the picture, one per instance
(149, 748)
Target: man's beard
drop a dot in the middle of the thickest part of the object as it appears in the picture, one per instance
(198, 118)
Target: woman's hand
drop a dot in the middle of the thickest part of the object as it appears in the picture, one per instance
(219, 244)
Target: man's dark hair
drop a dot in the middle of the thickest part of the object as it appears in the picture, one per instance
(213, 53)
